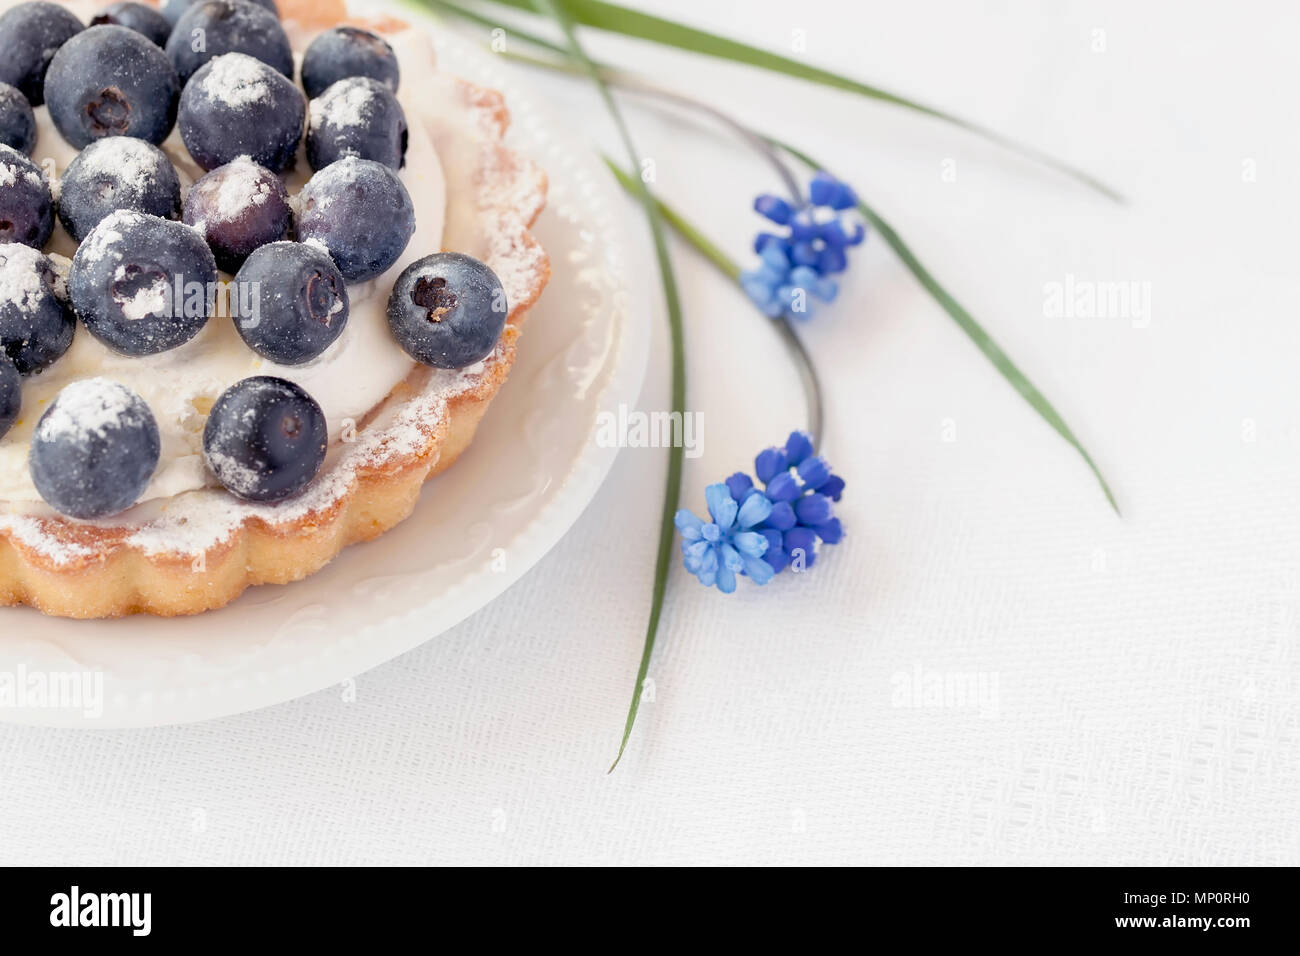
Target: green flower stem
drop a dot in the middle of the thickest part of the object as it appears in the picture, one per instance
(812, 386)
(673, 489)
(729, 268)
(702, 243)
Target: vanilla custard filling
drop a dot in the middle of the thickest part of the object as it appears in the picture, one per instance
(349, 379)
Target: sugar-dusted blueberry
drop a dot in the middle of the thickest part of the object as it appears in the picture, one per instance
(228, 26)
(173, 10)
(11, 394)
(238, 106)
(301, 302)
(94, 450)
(30, 35)
(265, 438)
(141, 284)
(359, 117)
(237, 208)
(447, 310)
(348, 51)
(17, 121)
(360, 211)
(120, 172)
(36, 326)
(26, 206)
(146, 21)
(111, 81)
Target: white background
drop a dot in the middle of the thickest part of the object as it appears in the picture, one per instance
(1146, 668)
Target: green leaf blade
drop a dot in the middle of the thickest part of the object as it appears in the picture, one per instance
(450, 8)
(974, 331)
(613, 18)
(702, 243)
(985, 343)
(673, 484)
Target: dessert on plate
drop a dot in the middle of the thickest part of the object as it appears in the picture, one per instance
(262, 270)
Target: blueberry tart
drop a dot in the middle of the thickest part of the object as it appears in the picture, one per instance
(247, 309)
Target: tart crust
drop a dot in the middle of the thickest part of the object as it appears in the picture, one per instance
(72, 569)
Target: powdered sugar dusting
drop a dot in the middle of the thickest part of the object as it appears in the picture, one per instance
(328, 183)
(517, 195)
(106, 238)
(30, 532)
(236, 476)
(345, 104)
(237, 79)
(24, 274)
(148, 300)
(88, 409)
(14, 166)
(238, 184)
(132, 161)
(61, 265)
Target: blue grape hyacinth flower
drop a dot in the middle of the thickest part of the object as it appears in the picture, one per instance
(759, 532)
(779, 287)
(802, 489)
(795, 266)
(717, 551)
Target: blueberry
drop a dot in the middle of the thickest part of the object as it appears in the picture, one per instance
(300, 302)
(228, 26)
(17, 121)
(447, 310)
(11, 394)
(237, 208)
(94, 450)
(173, 10)
(26, 206)
(30, 34)
(360, 117)
(111, 81)
(348, 51)
(120, 172)
(265, 438)
(146, 21)
(36, 327)
(360, 211)
(238, 106)
(141, 284)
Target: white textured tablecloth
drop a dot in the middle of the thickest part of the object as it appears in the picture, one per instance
(1139, 677)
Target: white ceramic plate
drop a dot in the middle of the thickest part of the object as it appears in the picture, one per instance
(531, 471)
